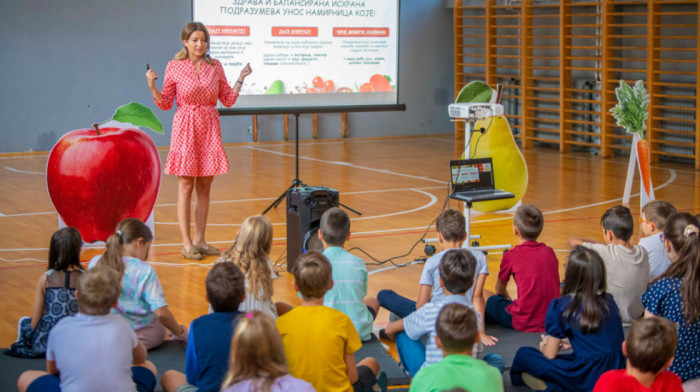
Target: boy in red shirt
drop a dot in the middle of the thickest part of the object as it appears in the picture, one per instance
(534, 268)
(650, 346)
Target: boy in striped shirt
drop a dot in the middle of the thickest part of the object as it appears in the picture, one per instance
(456, 276)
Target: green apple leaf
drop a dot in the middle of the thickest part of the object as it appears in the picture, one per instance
(139, 115)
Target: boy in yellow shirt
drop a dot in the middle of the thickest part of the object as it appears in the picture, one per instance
(320, 342)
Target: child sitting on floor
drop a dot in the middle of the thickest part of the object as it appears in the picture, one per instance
(320, 342)
(451, 231)
(675, 295)
(650, 346)
(208, 344)
(457, 331)
(456, 274)
(626, 265)
(142, 302)
(589, 318)
(55, 294)
(258, 361)
(349, 273)
(251, 254)
(653, 220)
(535, 269)
(93, 350)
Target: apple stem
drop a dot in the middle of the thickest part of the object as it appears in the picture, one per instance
(97, 128)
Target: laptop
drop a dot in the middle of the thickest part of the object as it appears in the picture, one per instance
(472, 180)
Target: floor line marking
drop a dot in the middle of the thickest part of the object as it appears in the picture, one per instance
(341, 163)
(240, 200)
(25, 156)
(671, 179)
(273, 198)
(668, 182)
(23, 171)
(432, 202)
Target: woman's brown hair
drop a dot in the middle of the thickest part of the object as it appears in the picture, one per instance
(185, 35)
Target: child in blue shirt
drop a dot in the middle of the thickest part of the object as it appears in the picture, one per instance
(349, 273)
(210, 335)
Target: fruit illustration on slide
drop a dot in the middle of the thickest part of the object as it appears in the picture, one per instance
(277, 87)
(99, 176)
(380, 83)
(497, 142)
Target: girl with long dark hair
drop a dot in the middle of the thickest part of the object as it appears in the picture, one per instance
(588, 317)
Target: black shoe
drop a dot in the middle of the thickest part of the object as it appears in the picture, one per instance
(383, 335)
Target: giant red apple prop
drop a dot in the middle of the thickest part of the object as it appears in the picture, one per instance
(98, 177)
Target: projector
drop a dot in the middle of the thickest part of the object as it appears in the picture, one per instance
(474, 111)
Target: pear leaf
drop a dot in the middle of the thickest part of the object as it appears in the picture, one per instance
(139, 115)
(475, 92)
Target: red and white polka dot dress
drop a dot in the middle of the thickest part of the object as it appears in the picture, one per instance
(195, 145)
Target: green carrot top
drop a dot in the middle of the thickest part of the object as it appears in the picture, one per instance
(631, 109)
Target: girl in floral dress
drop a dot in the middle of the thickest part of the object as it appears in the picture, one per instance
(55, 294)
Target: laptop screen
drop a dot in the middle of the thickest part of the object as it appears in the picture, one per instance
(471, 174)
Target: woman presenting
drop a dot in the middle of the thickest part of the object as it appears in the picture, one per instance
(196, 153)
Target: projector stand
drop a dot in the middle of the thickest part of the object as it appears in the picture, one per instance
(471, 242)
(474, 245)
(296, 182)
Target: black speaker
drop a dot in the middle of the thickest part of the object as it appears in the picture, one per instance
(305, 205)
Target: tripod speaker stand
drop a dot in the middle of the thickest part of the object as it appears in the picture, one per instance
(296, 182)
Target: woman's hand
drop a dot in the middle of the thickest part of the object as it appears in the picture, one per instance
(245, 72)
(151, 76)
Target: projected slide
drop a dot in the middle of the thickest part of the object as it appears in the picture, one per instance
(306, 52)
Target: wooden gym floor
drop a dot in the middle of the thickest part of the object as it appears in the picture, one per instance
(399, 184)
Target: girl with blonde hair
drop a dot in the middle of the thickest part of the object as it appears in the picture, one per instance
(142, 302)
(257, 361)
(250, 252)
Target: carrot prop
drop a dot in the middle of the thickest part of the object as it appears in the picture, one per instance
(644, 166)
(631, 113)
